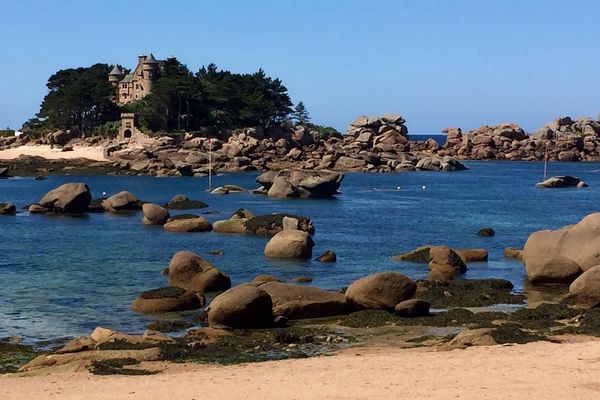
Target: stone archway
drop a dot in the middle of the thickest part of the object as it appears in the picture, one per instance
(127, 133)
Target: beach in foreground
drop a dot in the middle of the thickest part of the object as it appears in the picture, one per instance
(540, 370)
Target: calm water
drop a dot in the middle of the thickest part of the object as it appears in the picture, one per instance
(62, 276)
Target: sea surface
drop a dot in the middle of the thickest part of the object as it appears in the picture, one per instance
(63, 276)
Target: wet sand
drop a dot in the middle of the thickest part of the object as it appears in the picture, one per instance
(539, 370)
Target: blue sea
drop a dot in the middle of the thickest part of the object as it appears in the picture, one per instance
(63, 276)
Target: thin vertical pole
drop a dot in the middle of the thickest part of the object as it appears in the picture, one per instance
(209, 164)
(546, 162)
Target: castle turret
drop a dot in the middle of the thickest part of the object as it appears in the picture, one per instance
(150, 73)
(115, 75)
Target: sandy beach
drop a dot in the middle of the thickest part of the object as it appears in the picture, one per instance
(539, 370)
(90, 152)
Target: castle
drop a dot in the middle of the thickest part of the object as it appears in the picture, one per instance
(137, 84)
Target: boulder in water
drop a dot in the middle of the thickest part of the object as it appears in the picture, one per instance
(122, 201)
(241, 307)
(154, 214)
(67, 198)
(561, 182)
(290, 244)
(191, 272)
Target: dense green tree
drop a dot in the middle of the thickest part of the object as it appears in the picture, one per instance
(301, 115)
(79, 98)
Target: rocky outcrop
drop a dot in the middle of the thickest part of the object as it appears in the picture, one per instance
(102, 345)
(191, 272)
(372, 144)
(551, 268)
(241, 307)
(154, 214)
(382, 290)
(548, 249)
(563, 139)
(67, 198)
(166, 300)
(290, 244)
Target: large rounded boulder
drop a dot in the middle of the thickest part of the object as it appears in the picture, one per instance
(241, 307)
(67, 198)
(292, 244)
(166, 300)
(191, 272)
(154, 214)
(122, 201)
(445, 257)
(382, 290)
(579, 243)
(301, 183)
(586, 288)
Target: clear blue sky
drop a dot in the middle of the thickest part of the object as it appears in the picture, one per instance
(438, 63)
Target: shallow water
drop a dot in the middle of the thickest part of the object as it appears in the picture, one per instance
(63, 276)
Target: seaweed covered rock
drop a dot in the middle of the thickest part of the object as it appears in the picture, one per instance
(299, 302)
(382, 290)
(193, 224)
(241, 307)
(166, 300)
(234, 225)
(272, 224)
(301, 183)
(67, 198)
(154, 214)
(486, 232)
(181, 202)
(7, 209)
(190, 272)
(122, 201)
(290, 244)
(586, 288)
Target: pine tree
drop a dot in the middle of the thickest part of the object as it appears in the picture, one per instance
(301, 115)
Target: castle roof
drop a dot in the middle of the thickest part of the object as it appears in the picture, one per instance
(150, 59)
(116, 71)
(127, 78)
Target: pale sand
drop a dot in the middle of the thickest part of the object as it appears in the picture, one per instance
(537, 371)
(89, 152)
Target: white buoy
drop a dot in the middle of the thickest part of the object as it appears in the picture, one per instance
(423, 187)
(397, 187)
(103, 193)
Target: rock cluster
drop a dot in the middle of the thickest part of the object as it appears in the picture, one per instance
(371, 144)
(563, 139)
(264, 301)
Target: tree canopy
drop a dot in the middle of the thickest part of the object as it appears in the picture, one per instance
(79, 98)
(180, 100)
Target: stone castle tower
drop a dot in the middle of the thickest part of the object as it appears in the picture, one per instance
(137, 84)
